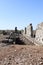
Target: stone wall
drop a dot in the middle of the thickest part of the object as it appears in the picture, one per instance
(28, 31)
(39, 34)
(36, 34)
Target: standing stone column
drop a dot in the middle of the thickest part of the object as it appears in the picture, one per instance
(30, 30)
(15, 29)
(25, 30)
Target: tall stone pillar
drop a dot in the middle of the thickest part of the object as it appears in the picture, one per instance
(25, 30)
(31, 27)
(15, 29)
(30, 30)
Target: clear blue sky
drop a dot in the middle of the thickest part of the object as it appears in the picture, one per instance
(20, 13)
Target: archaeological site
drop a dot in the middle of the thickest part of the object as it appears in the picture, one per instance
(28, 36)
(35, 36)
(22, 47)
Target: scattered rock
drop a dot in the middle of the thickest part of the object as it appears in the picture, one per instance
(15, 50)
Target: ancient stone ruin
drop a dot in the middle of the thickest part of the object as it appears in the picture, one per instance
(39, 33)
(27, 36)
(34, 35)
(29, 30)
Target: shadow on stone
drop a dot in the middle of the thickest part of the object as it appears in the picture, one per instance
(19, 42)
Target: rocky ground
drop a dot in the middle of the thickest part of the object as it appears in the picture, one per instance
(21, 55)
